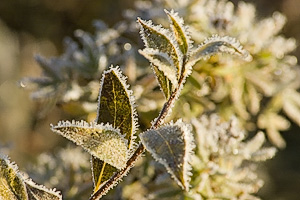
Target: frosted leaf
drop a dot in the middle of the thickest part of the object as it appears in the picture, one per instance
(116, 106)
(254, 99)
(40, 192)
(217, 44)
(101, 141)
(264, 154)
(221, 157)
(273, 123)
(15, 186)
(164, 83)
(11, 182)
(255, 143)
(291, 104)
(161, 39)
(163, 62)
(180, 32)
(172, 146)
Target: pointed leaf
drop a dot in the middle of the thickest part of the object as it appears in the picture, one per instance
(117, 107)
(180, 32)
(40, 192)
(217, 44)
(164, 83)
(172, 146)
(14, 186)
(163, 62)
(102, 141)
(158, 38)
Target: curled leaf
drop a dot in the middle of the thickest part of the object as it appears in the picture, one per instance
(172, 146)
(102, 141)
(217, 44)
(163, 62)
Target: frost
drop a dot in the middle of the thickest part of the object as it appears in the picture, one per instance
(172, 145)
(102, 141)
(15, 185)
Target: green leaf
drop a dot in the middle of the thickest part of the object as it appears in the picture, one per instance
(172, 146)
(101, 141)
(180, 32)
(164, 82)
(117, 107)
(163, 62)
(14, 186)
(40, 192)
(162, 40)
(11, 181)
(217, 44)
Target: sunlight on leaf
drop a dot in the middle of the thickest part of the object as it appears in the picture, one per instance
(39, 192)
(161, 39)
(164, 82)
(217, 44)
(180, 32)
(172, 145)
(14, 186)
(102, 141)
(11, 183)
(163, 62)
(116, 107)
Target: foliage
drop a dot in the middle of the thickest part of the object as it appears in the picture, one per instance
(254, 83)
(15, 185)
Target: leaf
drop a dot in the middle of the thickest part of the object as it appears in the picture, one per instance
(14, 186)
(102, 141)
(161, 39)
(40, 192)
(116, 106)
(11, 181)
(180, 32)
(164, 82)
(163, 62)
(172, 146)
(217, 44)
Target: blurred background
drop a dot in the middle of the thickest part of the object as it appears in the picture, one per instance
(29, 27)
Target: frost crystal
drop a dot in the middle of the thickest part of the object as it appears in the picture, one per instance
(220, 157)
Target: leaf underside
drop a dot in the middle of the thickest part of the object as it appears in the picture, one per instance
(160, 39)
(171, 145)
(116, 108)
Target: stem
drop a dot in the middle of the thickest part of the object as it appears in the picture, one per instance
(138, 152)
